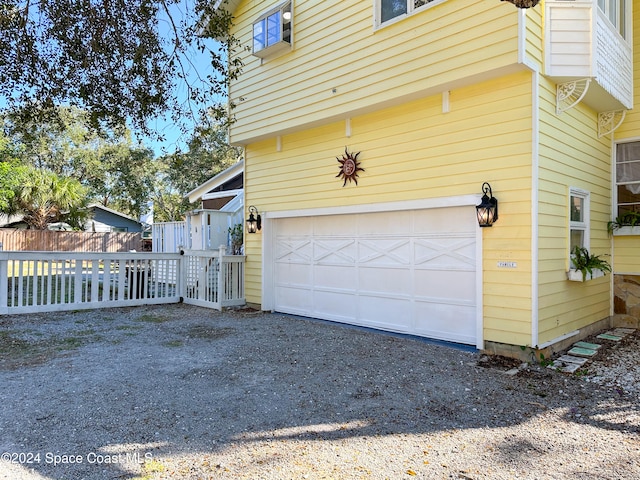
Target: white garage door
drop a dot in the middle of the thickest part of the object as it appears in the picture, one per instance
(405, 271)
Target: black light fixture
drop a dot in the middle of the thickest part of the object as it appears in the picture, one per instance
(254, 223)
(487, 211)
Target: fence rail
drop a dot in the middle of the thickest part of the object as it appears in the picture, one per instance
(57, 281)
(48, 240)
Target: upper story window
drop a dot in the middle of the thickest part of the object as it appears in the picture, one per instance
(628, 177)
(615, 11)
(272, 31)
(387, 10)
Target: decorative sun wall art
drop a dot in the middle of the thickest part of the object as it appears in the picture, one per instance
(523, 3)
(349, 167)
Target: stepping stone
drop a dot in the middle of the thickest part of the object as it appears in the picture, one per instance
(609, 336)
(564, 367)
(590, 346)
(571, 359)
(582, 352)
(623, 331)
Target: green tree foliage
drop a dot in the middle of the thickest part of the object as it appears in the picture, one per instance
(44, 197)
(118, 173)
(119, 60)
(208, 154)
(11, 173)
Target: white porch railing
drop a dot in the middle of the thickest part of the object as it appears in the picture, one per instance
(55, 281)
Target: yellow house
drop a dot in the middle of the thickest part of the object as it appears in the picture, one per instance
(371, 130)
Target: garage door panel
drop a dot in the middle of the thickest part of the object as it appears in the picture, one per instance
(336, 305)
(382, 282)
(296, 226)
(336, 276)
(406, 271)
(334, 251)
(383, 222)
(445, 321)
(293, 274)
(450, 219)
(394, 314)
(335, 225)
(449, 252)
(383, 251)
(445, 284)
(294, 299)
(294, 249)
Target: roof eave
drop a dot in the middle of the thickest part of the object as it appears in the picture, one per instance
(215, 181)
(229, 5)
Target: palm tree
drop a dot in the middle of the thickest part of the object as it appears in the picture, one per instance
(45, 197)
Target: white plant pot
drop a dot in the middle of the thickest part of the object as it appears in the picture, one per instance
(576, 275)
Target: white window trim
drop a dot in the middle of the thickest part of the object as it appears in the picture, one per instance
(628, 34)
(585, 225)
(281, 46)
(377, 12)
(614, 197)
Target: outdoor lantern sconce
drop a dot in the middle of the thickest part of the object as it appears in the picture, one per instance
(487, 211)
(523, 3)
(254, 223)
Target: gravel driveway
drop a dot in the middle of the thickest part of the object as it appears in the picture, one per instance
(184, 392)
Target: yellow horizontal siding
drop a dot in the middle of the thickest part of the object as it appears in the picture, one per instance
(415, 151)
(341, 64)
(534, 35)
(627, 254)
(571, 155)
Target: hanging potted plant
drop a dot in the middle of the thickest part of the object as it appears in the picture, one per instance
(585, 266)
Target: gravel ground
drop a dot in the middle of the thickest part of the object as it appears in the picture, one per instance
(184, 392)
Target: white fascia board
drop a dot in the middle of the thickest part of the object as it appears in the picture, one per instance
(216, 181)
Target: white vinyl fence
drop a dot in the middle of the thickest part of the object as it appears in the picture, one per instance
(57, 281)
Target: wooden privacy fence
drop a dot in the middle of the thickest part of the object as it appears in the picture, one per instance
(13, 239)
(57, 281)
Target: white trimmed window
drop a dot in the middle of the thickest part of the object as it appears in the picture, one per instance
(578, 218)
(388, 10)
(627, 178)
(272, 31)
(616, 12)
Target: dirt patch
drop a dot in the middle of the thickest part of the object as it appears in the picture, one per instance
(20, 349)
(208, 332)
(499, 362)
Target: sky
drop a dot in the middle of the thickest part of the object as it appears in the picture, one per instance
(200, 65)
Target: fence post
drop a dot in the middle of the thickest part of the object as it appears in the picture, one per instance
(222, 274)
(181, 273)
(4, 283)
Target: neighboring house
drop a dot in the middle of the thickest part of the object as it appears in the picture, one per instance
(102, 219)
(221, 200)
(107, 220)
(436, 98)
